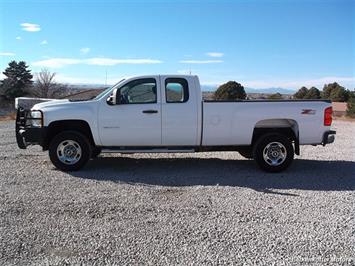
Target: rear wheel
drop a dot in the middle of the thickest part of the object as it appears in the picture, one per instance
(69, 150)
(273, 152)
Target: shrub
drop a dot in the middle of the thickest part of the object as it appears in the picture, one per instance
(230, 91)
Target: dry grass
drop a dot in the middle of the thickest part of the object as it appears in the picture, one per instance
(8, 117)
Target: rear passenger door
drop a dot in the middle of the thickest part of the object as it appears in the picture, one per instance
(179, 111)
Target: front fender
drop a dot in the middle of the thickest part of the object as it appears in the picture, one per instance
(85, 111)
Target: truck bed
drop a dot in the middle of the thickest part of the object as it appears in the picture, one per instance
(233, 122)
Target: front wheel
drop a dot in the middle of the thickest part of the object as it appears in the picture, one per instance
(69, 151)
(273, 152)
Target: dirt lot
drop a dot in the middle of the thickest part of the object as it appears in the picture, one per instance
(211, 208)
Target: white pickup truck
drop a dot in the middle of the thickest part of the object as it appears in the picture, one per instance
(166, 113)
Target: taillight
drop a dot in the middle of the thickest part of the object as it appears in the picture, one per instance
(328, 116)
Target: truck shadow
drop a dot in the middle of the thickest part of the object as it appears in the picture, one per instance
(178, 172)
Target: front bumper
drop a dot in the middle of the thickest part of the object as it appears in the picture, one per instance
(25, 134)
(328, 137)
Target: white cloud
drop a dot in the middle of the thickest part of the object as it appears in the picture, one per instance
(56, 62)
(6, 54)
(200, 61)
(84, 50)
(215, 54)
(44, 42)
(18, 38)
(30, 27)
(99, 61)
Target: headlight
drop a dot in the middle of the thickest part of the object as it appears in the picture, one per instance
(37, 119)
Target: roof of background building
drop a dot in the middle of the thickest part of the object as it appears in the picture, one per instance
(339, 106)
(86, 94)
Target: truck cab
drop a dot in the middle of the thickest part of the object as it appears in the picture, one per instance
(151, 111)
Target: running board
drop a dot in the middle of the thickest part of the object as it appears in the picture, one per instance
(118, 150)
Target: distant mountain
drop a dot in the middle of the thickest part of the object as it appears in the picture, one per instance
(209, 87)
(252, 90)
(270, 90)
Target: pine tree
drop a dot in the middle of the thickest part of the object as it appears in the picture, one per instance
(301, 93)
(313, 93)
(335, 92)
(351, 104)
(18, 78)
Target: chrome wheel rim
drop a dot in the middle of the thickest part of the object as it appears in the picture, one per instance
(274, 153)
(69, 152)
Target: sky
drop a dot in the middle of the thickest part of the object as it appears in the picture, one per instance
(260, 44)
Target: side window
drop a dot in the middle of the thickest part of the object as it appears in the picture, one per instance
(176, 90)
(139, 91)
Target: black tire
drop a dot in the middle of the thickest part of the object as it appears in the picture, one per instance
(77, 139)
(246, 152)
(95, 151)
(273, 140)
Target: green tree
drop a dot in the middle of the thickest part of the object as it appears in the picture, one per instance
(230, 91)
(313, 93)
(335, 92)
(351, 105)
(275, 96)
(301, 93)
(327, 89)
(18, 79)
(339, 94)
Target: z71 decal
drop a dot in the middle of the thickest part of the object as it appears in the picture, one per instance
(308, 112)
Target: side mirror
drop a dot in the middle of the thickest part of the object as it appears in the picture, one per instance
(113, 99)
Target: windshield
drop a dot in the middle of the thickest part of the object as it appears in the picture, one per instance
(107, 90)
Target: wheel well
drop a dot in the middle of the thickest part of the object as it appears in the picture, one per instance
(74, 125)
(286, 127)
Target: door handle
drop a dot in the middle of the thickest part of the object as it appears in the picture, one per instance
(150, 111)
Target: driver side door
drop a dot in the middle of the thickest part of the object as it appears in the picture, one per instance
(136, 118)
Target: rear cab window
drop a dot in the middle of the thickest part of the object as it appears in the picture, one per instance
(176, 90)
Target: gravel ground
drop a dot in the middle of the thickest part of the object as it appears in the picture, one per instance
(208, 208)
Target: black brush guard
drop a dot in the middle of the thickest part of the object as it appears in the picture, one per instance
(25, 134)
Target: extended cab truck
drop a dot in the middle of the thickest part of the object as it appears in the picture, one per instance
(166, 113)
